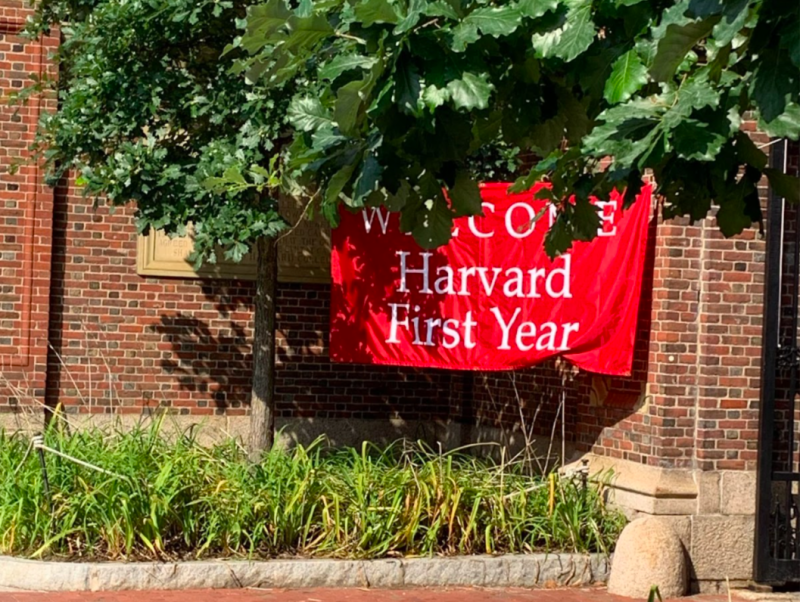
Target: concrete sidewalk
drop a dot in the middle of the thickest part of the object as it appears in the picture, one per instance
(340, 595)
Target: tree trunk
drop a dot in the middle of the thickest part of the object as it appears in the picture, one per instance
(262, 396)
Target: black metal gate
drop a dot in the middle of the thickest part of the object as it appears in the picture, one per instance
(777, 536)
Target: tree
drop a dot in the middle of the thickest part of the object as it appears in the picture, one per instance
(149, 111)
(405, 94)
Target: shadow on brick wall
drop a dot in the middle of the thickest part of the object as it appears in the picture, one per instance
(209, 357)
(214, 362)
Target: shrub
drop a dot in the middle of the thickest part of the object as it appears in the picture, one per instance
(178, 499)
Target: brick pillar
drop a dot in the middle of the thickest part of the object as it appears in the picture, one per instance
(700, 412)
(25, 228)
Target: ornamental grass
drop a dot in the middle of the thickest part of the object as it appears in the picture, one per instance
(173, 498)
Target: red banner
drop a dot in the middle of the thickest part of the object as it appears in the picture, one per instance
(491, 299)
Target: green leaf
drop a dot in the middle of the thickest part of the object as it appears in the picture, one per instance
(324, 137)
(530, 71)
(674, 15)
(573, 38)
(348, 107)
(734, 17)
(471, 91)
(306, 113)
(439, 8)
(234, 176)
(790, 38)
(783, 184)
(676, 44)
(435, 224)
(695, 140)
(407, 88)
(697, 93)
(495, 21)
(785, 125)
(338, 182)
(749, 153)
(269, 16)
(585, 219)
(634, 187)
(376, 11)
(412, 17)
(263, 20)
(345, 62)
(525, 182)
(396, 201)
(486, 129)
(256, 69)
(434, 97)
(368, 178)
(558, 239)
(260, 172)
(306, 32)
(465, 195)
(732, 216)
(577, 122)
(534, 9)
(627, 132)
(547, 135)
(464, 35)
(775, 82)
(305, 8)
(628, 75)
(705, 8)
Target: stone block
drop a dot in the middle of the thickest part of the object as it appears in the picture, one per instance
(495, 572)
(682, 525)
(601, 567)
(383, 574)
(444, 572)
(738, 492)
(711, 588)
(524, 570)
(554, 569)
(708, 492)
(649, 553)
(314, 573)
(722, 547)
(652, 490)
(646, 503)
(576, 572)
(31, 575)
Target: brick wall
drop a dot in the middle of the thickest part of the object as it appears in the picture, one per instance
(705, 350)
(25, 223)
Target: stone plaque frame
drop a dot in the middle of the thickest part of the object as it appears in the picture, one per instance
(304, 254)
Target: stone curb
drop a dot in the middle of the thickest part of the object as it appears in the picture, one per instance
(526, 571)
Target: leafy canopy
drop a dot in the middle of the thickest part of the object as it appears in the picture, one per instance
(404, 97)
(149, 110)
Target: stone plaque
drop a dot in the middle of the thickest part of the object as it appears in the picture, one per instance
(304, 255)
